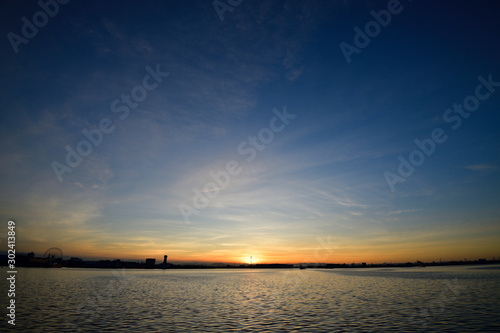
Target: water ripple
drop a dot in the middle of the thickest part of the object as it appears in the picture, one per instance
(366, 300)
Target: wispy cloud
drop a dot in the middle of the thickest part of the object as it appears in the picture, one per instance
(481, 167)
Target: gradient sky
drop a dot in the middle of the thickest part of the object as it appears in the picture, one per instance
(316, 192)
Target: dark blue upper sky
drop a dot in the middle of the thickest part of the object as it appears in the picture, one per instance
(332, 169)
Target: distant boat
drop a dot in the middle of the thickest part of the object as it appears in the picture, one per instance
(302, 267)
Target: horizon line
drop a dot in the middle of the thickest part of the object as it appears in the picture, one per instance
(143, 260)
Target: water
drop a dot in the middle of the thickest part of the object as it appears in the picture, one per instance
(430, 299)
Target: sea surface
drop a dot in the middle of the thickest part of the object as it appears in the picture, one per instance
(415, 299)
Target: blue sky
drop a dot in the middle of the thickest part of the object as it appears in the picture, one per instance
(316, 192)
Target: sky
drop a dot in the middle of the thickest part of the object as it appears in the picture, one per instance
(285, 131)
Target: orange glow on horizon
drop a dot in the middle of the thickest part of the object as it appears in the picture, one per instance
(263, 259)
(355, 253)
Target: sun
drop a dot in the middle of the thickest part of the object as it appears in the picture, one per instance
(251, 260)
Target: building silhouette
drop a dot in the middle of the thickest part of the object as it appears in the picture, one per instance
(150, 262)
(164, 264)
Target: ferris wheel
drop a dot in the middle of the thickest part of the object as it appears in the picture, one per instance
(53, 252)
